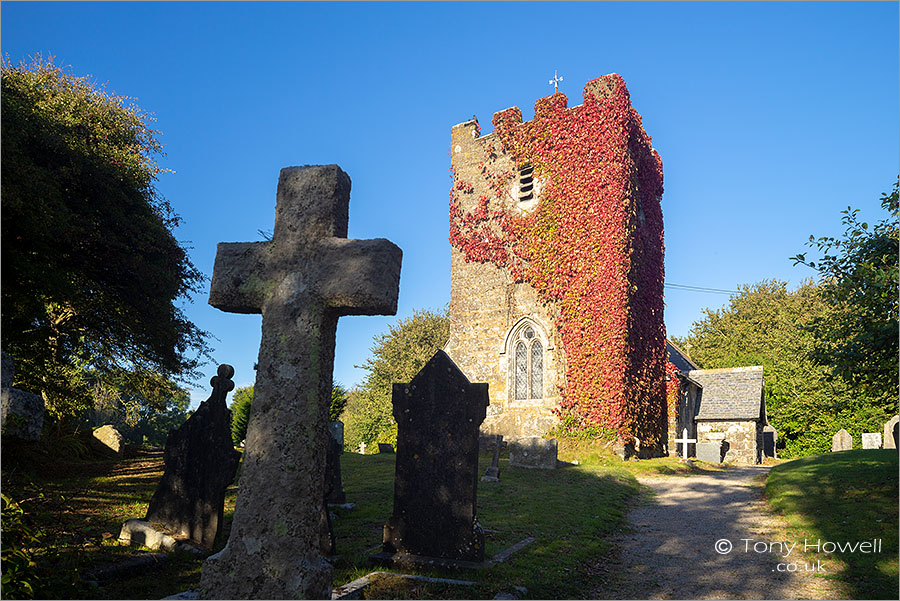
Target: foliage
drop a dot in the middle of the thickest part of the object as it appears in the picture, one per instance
(592, 248)
(91, 269)
(397, 356)
(763, 325)
(240, 413)
(856, 338)
(243, 398)
(846, 497)
(16, 554)
(339, 399)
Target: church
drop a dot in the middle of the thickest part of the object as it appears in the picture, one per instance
(557, 268)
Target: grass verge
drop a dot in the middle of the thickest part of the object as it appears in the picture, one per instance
(843, 498)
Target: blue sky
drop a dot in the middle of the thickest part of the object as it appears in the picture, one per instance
(770, 119)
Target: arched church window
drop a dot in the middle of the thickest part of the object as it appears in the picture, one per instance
(528, 370)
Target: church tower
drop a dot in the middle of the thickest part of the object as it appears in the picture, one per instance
(557, 267)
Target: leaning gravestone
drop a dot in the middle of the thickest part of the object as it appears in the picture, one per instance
(301, 281)
(21, 413)
(871, 440)
(107, 439)
(842, 441)
(200, 464)
(890, 432)
(492, 473)
(434, 521)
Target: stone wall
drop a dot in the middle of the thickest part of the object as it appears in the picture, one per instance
(744, 439)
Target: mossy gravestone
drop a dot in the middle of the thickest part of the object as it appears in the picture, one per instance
(434, 520)
(301, 281)
(200, 465)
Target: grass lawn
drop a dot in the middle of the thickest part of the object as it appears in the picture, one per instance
(75, 510)
(844, 497)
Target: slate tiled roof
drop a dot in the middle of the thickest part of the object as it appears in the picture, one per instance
(731, 394)
(679, 358)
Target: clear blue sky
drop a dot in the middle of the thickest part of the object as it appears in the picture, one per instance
(770, 119)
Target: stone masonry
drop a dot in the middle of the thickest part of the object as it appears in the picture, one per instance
(490, 311)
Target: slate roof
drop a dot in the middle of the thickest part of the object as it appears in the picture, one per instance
(734, 394)
(679, 358)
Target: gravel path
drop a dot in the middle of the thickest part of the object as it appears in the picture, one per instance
(671, 551)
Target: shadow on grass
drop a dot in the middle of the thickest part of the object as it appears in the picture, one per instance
(845, 497)
(571, 512)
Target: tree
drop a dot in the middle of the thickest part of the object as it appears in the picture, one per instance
(91, 270)
(397, 356)
(240, 413)
(243, 398)
(856, 338)
(764, 325)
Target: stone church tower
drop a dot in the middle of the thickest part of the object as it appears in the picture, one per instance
(557, 266)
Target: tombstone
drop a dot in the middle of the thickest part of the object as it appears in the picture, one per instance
(434, 520)
(890, 433)
(362, 448)
(200, 464)
(301, 282)
(492, 473)
(770, 437)
(21, 413)
(532, 452)
(871, 440)
(842, 441)
(710, 452)
(108, 440)
(334, 487)
(385, 447)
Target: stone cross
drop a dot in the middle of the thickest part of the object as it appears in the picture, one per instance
(684, 441)
(362, 448)
(301, 281)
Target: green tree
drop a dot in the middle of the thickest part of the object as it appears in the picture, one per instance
(764, 325)
(240, 413)
(92, 272)
(397, 356)
(856, 338)
(243, 398)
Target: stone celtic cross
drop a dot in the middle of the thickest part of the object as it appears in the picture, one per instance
(301, 281)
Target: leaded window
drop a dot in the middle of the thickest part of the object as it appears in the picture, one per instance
(528, 369)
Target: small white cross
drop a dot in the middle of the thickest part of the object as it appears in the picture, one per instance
(555, 81)
(684, 441)
(362, 448)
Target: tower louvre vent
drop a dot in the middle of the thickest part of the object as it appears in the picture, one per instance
(526, 182)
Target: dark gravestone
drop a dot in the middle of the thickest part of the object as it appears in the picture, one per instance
(710, 451)
(385, 447)
(200, 463)
(438, 415)
(334, 488)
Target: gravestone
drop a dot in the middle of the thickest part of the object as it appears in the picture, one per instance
(107, 439)
(334, 487)
(842, 441)
(200, 464)
(871, 440)
(438, 415)
(710, 451)
(301, 281)
(890, 433)
(21, 412)
(770, 437)
(492, 473)
(385, 447)
(533, 452)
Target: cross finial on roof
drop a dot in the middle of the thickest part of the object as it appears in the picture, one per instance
(555, 81)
